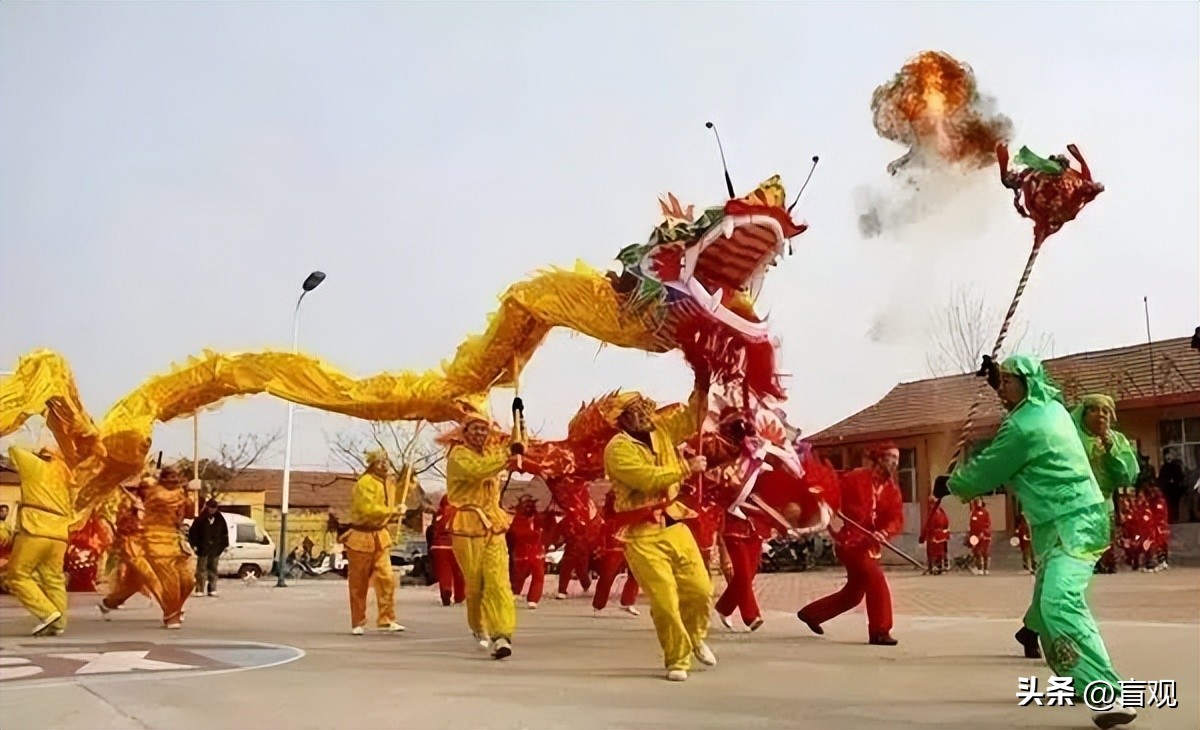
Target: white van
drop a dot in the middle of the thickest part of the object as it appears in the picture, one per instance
(251, 551)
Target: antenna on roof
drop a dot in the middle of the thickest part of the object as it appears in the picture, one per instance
(728, 181)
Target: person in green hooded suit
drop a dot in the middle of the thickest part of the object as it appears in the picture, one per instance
(1038, 453)
(1114, 462)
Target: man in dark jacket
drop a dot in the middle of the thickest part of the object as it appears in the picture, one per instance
(209, 536)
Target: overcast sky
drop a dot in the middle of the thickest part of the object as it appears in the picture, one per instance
(169, 173)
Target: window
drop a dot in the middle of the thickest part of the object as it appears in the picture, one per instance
(906, 475)
(247, 533)
(1180, 440)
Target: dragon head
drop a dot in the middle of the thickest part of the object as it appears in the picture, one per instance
(718, 260)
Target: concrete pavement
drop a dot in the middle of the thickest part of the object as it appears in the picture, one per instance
(956, 666)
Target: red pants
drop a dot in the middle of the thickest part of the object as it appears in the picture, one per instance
(936, 553)
(864, 577)
(574, 563)
(533, 568)
(739, 593)
(982, 549)
(611, 564)
(449, 576)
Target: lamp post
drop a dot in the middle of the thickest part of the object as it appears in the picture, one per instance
(312, 282)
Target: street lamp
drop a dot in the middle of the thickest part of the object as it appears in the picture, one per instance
(312, 282)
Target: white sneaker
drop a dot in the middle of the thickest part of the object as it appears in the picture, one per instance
(482, 641)
(531, 605)
(631, 610)
(726, 621)
(212, 594)
(104, 611)
(1117, 715)
(987, 572)
(392, 628)
(45, 624)
(704, 655)
(358, 631)
(560, 596)
(756, 624)
(677, 675)
(175, 626)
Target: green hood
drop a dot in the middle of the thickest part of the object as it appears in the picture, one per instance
(1040, 390)
(1097, 400)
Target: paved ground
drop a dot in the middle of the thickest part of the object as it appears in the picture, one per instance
(956, 666)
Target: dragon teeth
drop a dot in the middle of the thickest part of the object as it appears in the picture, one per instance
(727, 227)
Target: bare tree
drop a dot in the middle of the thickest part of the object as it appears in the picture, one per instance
(232, 460)
(409, 446)
(965, 329)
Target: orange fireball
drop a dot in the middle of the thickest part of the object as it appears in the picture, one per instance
(934, 107)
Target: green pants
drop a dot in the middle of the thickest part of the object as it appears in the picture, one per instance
(1067, 550)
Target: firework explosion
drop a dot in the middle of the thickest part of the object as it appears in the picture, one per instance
(934, 107)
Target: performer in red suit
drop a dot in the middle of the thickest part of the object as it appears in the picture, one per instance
(1129, 516)
(528, 551)
(979, 537)
(451, 583)
(743, 544)
(871, 498)
(612, 563)
(1145, 532)
(1160, 528)
(576, 529)
(935, 535)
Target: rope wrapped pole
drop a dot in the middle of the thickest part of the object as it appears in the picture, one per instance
(1004, 327)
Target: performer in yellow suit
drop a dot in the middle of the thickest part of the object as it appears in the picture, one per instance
(477, 527)
(367, 544)
(35, 569)
(166, 505)
(133, 574)
(646, 472)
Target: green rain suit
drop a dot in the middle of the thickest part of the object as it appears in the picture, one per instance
(1038, 453)
(1115, 467)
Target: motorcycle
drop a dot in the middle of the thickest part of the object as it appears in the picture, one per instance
(303, 565)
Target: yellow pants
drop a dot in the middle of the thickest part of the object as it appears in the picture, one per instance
(36, 578)
(484, 563)
(369, 569)
(670, 569)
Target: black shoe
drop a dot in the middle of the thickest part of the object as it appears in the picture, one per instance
(502, 649)
(813, 626)
(885, 640)
(1028, 638)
